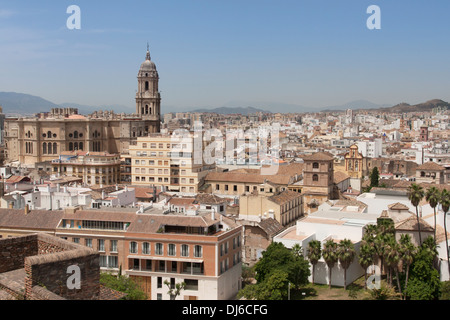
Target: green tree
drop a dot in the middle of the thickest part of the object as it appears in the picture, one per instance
(330, 256)
(393, 259)
(424, 283)
(123, 284)
(346, 254)
(374, 177)
(276, 256)
(407, 253)
(174, 291)
(314, 254)
(445, 204)
(366, 258)
(275, 287)
(433, 196)
(445, 291)
(277, 259)
(415, 195)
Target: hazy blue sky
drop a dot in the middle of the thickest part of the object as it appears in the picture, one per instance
(210, 52)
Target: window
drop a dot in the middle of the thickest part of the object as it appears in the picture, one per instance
(198, 252)
(159, 249)
(113, 261)
(88, 243)
(172, 249)
(315, 177)
(184, 250)
(191, 284)
(159, 283)
(101, 245)
(146, 248)
(315, 165)
(76, 240)
(113, 247)
(133, 247)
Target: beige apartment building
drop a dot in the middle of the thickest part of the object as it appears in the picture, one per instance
(165, 161)
(238, 182)
(94, 168)
(285, 206)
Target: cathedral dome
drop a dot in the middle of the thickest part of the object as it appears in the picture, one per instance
(148, 64)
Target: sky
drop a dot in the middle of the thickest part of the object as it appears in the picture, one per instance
(313, 53)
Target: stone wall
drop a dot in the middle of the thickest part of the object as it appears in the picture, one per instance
(14, 250)
(52, 272)
(50, 269)
(46, 260)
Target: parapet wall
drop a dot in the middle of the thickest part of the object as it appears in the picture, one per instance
(62, 268)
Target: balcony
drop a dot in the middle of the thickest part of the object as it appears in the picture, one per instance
(153, 264)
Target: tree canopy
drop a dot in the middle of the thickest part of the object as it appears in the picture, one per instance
(278, 267)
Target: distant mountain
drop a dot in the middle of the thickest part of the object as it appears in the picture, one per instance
(232, 110)
(14, 103)
(270, 106)
(425, 106)
(24, 104)
(355, 105)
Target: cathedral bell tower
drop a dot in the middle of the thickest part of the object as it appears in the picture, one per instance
(148, 98)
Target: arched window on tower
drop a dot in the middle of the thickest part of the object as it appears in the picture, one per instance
(315, 177)
(315, 165)
(70, 146)
(75, 134)
(146, 86)
(49, 148)
(80, 146)
(146, 109)
(75, 146)
(49, 134)
(55, 148)
(44, 148)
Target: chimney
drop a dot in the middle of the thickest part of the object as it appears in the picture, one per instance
(213, 216)
(103, 194)
(58, 187)
(27, 209)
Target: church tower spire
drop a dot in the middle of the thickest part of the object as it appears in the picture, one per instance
(148, 98)
(148, 53)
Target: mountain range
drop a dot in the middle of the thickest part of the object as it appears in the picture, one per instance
(24, 104)
(14, 103)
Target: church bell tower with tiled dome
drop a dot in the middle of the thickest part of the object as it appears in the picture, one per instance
(148, 98)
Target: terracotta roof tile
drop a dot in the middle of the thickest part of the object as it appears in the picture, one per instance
(430, 166)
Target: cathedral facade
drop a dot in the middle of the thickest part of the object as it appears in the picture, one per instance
(29, 140)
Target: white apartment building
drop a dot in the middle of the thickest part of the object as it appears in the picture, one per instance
(371, 148)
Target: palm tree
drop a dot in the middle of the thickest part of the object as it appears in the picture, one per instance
(433, 196)
(393, 260)
(445, 204)
(366, 257)
(314, 254)
(370, 232)
(415, 195)
(346, 254)
(407, 250)
(330, 256)
(388, 243)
